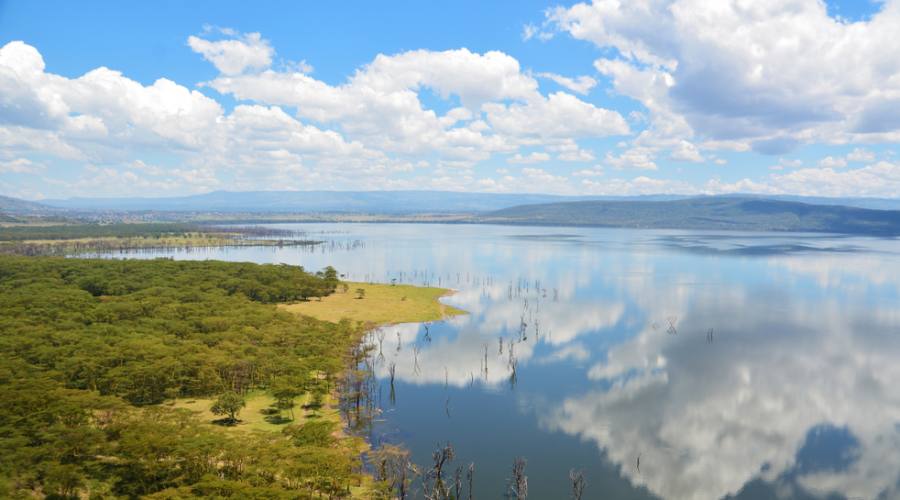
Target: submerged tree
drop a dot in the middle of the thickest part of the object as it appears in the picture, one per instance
(578, 483)
(433, 483)
(518, 483)
(394, 467)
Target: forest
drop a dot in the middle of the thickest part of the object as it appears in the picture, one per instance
(93, 352)
(79, 238)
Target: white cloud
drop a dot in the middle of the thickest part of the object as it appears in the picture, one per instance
(530, 31)
(637, 186)
(635, 158)
(881, 179)
(380, 105)
(20, 166)
(110, 120)
(102, 107)
(568, 150)
(860, 155)
(536, 157)
(832, 162)
(595, 171)
(580, 85)
(236, 55)
(559, 115)
(771, 74)
(685, 151)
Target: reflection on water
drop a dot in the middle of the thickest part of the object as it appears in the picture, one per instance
(662, 363)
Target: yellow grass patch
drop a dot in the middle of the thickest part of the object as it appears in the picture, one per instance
(381, 304)
(253, 416)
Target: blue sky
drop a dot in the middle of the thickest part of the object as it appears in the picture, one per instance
(653, 96)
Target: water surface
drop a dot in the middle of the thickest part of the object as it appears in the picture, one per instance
(665, 364)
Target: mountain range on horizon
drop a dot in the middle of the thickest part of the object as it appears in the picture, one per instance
(375, 202)
(736, 212)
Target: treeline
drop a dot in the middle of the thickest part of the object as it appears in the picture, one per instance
(90, 348)
(73, 231)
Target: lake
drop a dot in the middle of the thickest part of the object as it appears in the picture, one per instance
(664, 364)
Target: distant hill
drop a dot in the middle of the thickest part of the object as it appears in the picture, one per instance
(15, 206)
(873, 203)
(379, 202)
(720, 213)
(383, 202)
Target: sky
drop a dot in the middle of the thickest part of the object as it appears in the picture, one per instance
(166, 98)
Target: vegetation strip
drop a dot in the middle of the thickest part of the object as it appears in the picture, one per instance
(80, 238)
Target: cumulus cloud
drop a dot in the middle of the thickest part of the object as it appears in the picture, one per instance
(376, 129)
(559, 115)
(105, 119)
(771, 75)
(289, 129)
(860, 155)
(536, 157)
(20, 166)
(235, 55)
(102, 106)
(502, 107)
(580, 85)
(634, 158)
(881, 179)
(832, 162)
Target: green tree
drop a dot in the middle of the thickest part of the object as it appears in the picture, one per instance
(284, 398)
(228, 403)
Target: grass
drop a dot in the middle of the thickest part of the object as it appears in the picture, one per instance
(381, 304)
(253, 416)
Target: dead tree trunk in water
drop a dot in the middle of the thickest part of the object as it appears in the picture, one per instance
(518, 483)
(433, 482)
(578, 483)
(393, 369)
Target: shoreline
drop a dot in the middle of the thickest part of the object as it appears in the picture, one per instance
(428, 298)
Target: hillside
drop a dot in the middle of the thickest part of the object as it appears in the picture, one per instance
(744, 214)
(380, 202)
(383, 202)
(10, 205)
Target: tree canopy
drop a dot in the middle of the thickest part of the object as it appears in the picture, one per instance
(89, 349)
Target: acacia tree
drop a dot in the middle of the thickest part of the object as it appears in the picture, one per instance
(284, 398)
(228, 403)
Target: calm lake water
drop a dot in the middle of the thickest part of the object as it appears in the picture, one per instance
(664, 364)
